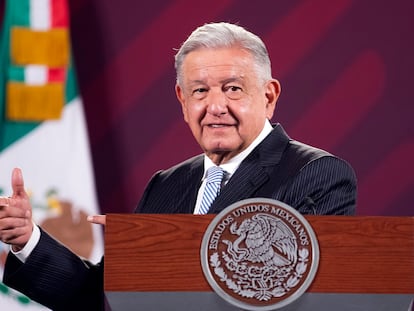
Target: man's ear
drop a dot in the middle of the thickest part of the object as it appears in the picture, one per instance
(181, 98)
(273, 90)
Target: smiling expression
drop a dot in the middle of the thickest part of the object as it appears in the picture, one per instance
(223, 101)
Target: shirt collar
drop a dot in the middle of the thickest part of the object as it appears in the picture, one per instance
(231, 166)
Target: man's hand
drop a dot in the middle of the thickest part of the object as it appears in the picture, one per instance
(97, 219)
(16, 224)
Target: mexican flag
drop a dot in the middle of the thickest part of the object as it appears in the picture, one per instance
(43, 130)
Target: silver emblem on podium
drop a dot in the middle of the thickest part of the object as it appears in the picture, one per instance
(259, 254)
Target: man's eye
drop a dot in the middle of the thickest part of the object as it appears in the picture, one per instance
(233, 92)
(199, 91)
(233, 88)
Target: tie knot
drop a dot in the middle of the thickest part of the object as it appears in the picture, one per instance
(215, 174)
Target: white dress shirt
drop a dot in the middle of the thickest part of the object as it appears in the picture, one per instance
(232, 165)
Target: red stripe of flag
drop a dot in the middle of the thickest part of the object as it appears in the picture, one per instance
(59, 13)
(56, 75)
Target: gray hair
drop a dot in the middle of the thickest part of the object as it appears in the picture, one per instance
(225, 35)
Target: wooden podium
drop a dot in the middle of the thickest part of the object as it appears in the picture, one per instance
(152, 262)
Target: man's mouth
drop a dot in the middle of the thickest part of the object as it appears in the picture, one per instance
(219, 125)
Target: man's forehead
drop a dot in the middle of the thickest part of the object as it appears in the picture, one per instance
(218, 57)
(228, 64)
(223, 69)
(218, 72)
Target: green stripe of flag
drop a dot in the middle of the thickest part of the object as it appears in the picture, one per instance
(16, 73)
(19, 12)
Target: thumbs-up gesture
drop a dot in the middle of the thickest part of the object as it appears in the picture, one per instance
(16, 224)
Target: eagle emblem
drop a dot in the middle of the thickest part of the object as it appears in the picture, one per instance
(259, 253)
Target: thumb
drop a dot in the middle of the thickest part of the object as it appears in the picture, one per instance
(17, 182)
(97, 219)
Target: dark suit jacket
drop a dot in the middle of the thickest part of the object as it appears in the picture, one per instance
(308, 179)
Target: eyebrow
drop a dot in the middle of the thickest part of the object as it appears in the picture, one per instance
(223, 81)
(232, 79)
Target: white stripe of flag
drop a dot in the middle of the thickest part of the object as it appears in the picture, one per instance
(36, 74)
(40, 14)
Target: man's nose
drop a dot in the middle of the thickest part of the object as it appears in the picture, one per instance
(217, 102)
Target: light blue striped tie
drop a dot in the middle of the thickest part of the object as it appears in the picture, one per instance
(212, 189)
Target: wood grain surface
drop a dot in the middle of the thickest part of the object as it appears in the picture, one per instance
(361, 254)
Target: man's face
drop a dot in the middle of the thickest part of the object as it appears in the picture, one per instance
(223, 101)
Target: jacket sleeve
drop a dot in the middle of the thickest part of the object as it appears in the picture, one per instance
(56, 278)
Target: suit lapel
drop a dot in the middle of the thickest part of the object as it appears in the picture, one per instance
(241, 185)
(254, 171)
(191, 185)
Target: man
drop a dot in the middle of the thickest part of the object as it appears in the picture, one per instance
(227, 96)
